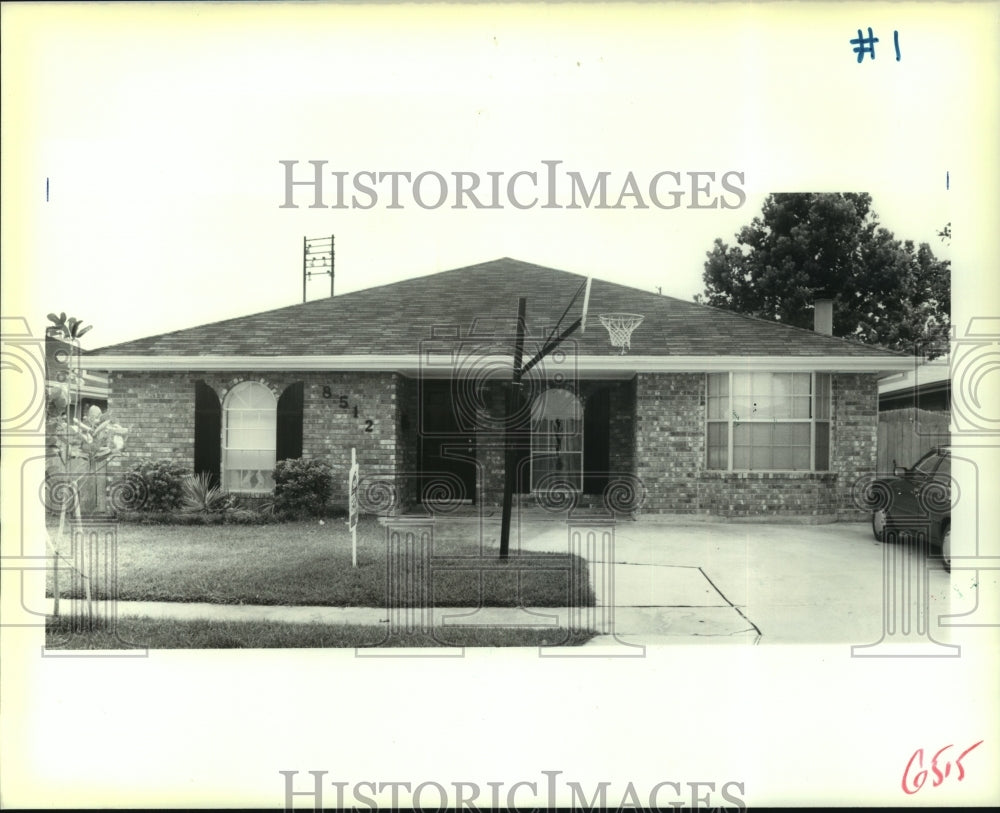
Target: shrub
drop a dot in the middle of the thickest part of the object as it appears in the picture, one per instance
(302, 486)
(162, 484)
(237, 516)
(201, 495)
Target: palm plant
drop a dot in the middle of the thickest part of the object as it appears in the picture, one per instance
(71, 328)
(201, 493)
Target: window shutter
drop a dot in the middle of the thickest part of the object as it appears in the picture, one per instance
(288, 442)
(207, 432)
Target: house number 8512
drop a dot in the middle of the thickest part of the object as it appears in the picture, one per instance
(343, 402)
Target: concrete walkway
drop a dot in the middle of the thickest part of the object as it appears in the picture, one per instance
(541, 617)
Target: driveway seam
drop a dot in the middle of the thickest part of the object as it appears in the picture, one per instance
(742, 615)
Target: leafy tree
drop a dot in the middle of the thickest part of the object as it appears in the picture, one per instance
(802, 246)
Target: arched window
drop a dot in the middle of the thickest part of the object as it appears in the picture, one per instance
(556, 440)
(248, 439)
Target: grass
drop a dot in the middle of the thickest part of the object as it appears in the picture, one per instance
(305, 563)
(161, 633)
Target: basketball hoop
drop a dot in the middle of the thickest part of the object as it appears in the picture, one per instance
(620, 327)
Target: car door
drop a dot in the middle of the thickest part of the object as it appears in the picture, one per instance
(907, 499)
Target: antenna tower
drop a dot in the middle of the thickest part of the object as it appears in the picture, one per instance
(317, 260)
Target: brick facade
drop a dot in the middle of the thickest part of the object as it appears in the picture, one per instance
(159, 410)
(408, 455)
(622, 426)
(854, 436)
(766, 493)
(656, 430)
(670, 439)
(670, 452)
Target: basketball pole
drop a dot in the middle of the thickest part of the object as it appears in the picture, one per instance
(514, 398)
(510, 451)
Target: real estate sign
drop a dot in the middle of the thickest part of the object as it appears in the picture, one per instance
(353, 491)
(352, 514)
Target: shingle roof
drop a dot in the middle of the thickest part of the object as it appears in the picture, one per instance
(393, 319)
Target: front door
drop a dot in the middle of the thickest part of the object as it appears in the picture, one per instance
(447, 451)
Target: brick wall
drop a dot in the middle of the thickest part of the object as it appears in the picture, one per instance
(622, 419)
(670, 439)
(656, 428)
(158, 408)
(670, 452)
(329, 431)
(764, 493)
(408, 450)
(854, 436)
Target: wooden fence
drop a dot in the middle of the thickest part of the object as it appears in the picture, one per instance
(904, 435)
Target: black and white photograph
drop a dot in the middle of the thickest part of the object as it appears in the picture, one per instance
(432, 405)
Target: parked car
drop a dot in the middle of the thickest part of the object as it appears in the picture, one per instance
(917, 500)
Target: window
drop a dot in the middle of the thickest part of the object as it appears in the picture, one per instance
(248, 439)
(556, 440)
(768, 421)
(928, 463)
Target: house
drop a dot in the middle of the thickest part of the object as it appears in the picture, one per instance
(925, 385)
(708, 411)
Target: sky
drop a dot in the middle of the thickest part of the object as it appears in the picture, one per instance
(142, 190)
(151, 187)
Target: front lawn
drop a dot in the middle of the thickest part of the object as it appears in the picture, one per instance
(306, 563)
(162, 633)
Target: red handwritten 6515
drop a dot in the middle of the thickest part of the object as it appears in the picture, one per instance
(916, 774)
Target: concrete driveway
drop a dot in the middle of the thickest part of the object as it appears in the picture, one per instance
(687, 581)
